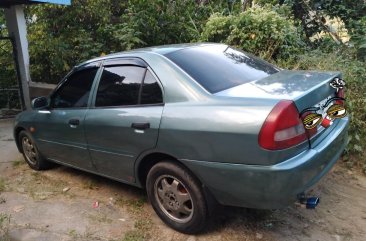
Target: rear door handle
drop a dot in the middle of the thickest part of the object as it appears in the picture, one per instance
(141, 126)
(74, 123)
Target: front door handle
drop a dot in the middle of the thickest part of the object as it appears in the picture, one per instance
(74, 123)
(141, 126)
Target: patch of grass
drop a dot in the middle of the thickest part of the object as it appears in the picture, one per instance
(134, 235)
(2, 185)
(90, 184)
(41, 187)
(100, 217)
(133, 205)
(73, 234)
(141, 231)
(18, 163)
(143, 224)
(88, 235)
(4, 218)
(4, 226)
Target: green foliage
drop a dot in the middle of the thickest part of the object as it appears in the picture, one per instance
(352, 13)
(2, 22)
(349, 11)
(7, 70)
(61, 37)
(218, 28)
(354, 72)
(311, 15)
(258, 30)
(359, 38)
(7, 66)
(169, 22)
(267, 2)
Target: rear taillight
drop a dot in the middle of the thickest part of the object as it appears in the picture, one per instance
(282, 128)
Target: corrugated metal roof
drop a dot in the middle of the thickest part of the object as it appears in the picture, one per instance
(8, 3)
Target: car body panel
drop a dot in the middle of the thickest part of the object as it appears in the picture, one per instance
(55, 136)
(219, 132)
(300, 86)
(275, 186)
(113, 144)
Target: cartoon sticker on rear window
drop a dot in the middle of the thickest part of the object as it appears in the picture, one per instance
(325, 113)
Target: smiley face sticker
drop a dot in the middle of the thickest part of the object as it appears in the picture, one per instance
(336, 111)
(312, 120)
(323, 115)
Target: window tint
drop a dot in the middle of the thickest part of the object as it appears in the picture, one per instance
(119, 85)
(219, 67)
(151, 92)
(75, 91)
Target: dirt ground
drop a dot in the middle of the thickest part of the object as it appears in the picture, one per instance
(66, 204)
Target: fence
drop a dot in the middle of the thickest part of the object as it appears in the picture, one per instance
(9, 102)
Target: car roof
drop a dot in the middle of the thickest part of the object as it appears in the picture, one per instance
(161, 50)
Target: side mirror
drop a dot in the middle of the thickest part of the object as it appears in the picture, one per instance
(40, 102)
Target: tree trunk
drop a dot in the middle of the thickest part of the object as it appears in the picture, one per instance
(245, 4)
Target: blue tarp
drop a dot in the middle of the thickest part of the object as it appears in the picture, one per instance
(64, 2)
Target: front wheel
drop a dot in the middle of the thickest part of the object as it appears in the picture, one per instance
(177, 197)
(30, 152)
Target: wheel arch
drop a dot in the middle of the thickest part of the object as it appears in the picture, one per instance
(145, 163)
(17, 130)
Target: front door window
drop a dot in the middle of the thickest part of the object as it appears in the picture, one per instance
(75, 91)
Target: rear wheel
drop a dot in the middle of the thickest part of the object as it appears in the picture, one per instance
(30, 152)
(177, 197)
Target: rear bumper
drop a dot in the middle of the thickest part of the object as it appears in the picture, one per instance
(270, 187)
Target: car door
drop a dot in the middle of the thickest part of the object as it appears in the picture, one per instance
(125, 117)
(60, 127)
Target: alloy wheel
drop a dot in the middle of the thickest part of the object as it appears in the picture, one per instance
(174, 198)
(29, 150)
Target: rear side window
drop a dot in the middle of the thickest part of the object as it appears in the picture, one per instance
(151, 92)
(220, 67)
(120, 85)
(75, 91)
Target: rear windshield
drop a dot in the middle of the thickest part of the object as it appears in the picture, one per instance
(220, 67)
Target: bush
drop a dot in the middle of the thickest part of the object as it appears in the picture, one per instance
(60, 37)
(358, 38)
(354, 72)
(168, 22)
(258, 30)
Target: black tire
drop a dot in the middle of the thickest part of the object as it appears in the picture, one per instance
(177, 197)
(31, 153)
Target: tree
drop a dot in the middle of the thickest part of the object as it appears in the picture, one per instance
(60, 37)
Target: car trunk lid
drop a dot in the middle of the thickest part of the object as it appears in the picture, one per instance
(305, 88)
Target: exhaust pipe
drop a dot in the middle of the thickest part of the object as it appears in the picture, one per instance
(309, 202)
